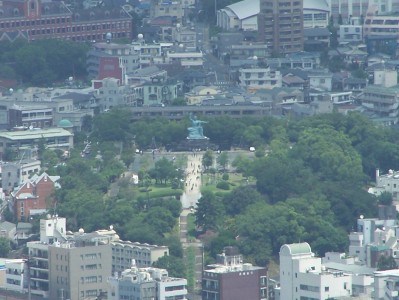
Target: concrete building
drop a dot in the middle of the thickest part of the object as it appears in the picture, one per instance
(56, 138)
(16, 278)
(386, 284)
(232, 279)
(79, 268)
(242, 15)
(353, 11)
(14, 173)
(185, 59)
(316, 14)
(146, 283)
(280, 25)
(381, 104)
(387, 183)
(303, 277)
(259, 78)
(30, 116)
(111, 93)
(350, 33)
(320, 79)
(144, 255)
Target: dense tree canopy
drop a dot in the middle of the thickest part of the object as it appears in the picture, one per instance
(43, 62)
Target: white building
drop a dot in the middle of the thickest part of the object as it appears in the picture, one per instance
(185, 59)
(350, 33)
(386, 284)
(387, 183)
(302, 276)
(260, 78)
(146, 283)
(320, 79)
(16, 275)
(315, 13)
(241, 15)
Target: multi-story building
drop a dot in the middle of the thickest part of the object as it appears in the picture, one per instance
(52, 230)
(350, 33)
(16, 275)
(381, 32)
(260, 78)
(387, 183)
(146, 283)
(30, 116)
(354, 11)
(320, 79)
(231, 279)
(52, 19)
(185, 58)
(315, 13)
(381, 103)
(144, 255)
(24, 139)
(280, 25)
(14, 173)
(32, 196)
(386, 284)
(112, 93)
(79, 268)
(303, 277)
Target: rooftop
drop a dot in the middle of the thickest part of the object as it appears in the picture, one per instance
(245, 9)
(34, 134)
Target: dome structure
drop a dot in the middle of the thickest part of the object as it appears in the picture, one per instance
(64, 123)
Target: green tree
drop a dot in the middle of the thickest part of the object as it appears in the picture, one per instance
(209, 213)
(236, 202)
(386, 263)
(385, 198)
(5, 247)
(223, 160)
(330, 154)
(174, 265)
(207, 159)
(164, 170)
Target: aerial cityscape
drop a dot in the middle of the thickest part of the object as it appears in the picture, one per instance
(199, 149)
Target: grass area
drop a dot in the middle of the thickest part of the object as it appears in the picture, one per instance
(209, 182)
(190, 268)
(159, 192)
(191, 228)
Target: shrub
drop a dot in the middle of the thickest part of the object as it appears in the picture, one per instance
(223, 185)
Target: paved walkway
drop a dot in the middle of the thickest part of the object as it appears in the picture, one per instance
(192, 192)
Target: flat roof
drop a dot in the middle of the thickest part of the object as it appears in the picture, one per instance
(34, 134)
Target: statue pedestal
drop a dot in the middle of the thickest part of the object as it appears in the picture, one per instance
(196, 144)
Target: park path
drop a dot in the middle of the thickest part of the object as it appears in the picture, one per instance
(192, 192)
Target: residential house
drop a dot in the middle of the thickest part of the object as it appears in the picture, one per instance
(34, 195)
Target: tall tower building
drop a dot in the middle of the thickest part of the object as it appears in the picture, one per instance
(281, 25)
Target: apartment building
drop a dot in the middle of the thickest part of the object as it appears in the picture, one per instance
(280, 25)
(381, 103)
(79, 268)
(232, 279)
(353, 11)
(146, 283)
(302, 276)
(30, 116)
(144, 255)
(53, 19)
(260, 78)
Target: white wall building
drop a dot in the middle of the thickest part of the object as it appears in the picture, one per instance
(241, 15)
(260, 78)
(185, 59)
(315, 13)
(302, 276)
(350, 33)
